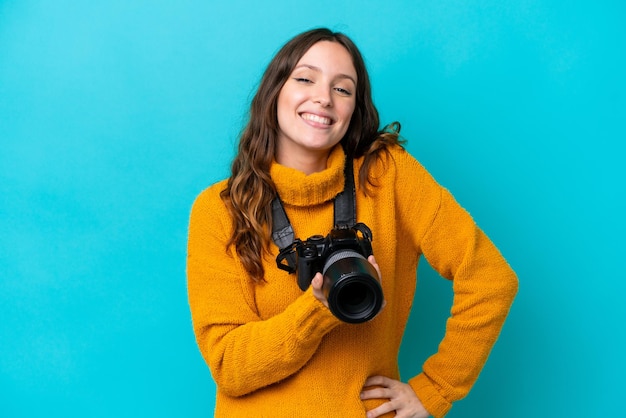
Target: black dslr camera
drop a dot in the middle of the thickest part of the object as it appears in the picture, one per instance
(351, 283)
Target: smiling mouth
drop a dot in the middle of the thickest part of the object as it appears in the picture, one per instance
(316, 118)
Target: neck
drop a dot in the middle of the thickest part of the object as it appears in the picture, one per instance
(308, 163)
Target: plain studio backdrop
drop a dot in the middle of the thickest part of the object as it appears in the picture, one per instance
(115, 114)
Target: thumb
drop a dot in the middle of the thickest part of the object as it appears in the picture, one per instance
(316, 285)
(317, 281)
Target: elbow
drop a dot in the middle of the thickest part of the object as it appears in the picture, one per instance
(510, 286)
(228, 386)
(231, 378)
(502, 294)
(503, 285)
(503, 289)
(226, 376)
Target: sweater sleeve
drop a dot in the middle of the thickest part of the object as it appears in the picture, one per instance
(243, 351)
(484, 287)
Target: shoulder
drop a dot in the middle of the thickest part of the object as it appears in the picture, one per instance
(208, 207)
(398, 175)
(211, 196)
(404, 161)
(395, 164)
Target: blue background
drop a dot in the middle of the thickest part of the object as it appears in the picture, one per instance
(114, 115)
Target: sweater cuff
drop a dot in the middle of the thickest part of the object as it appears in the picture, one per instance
(430, 397)
(313, 318)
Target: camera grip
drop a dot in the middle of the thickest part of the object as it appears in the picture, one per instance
(308, 265)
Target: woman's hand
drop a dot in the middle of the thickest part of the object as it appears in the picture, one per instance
(316, 284)
(402, 398)
(318, 281)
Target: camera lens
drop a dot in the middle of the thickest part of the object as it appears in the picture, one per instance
(354, 297)
(351, 286)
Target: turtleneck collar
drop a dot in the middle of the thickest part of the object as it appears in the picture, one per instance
(298, 189)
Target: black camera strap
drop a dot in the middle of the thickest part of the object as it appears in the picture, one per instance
(282, 231)
(345, 202)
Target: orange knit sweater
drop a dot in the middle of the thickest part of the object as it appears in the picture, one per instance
(275, 351)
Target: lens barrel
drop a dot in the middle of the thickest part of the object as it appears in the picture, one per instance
(352, 287)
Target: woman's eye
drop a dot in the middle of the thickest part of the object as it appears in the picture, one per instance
(302, 80)
(343, 91)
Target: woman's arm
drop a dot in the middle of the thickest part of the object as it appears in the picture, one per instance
(484, 286)
(243, 351)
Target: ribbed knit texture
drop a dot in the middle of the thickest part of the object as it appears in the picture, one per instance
(275, 351)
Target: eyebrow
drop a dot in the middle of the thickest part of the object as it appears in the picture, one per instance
(318, 69)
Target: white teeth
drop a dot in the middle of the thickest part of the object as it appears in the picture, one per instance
(316, 118)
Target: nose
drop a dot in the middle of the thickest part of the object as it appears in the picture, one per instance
(323, 96)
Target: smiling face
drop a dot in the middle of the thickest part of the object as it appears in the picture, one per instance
(315, 106)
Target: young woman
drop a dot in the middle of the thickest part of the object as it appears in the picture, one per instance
(275, 350)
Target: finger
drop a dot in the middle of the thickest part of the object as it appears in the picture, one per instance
(381, 410)
(317, 284)
(317, 281)
(373, 262)
(377, 381)
(378, 393)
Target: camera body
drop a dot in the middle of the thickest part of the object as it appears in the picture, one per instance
(351, 284)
